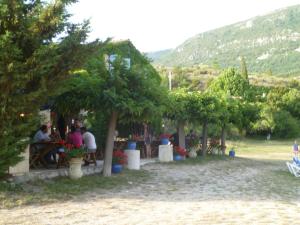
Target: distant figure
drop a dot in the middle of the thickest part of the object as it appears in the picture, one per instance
(295, 149)
(268, 136)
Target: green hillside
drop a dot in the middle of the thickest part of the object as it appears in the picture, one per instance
(268, 43)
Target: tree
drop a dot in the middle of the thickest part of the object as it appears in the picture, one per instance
(204, 108)
(39, 48)
(244, 70)
(230, 82)
(129, 93)
(230, 113)
(177, 110)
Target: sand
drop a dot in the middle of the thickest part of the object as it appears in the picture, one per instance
(240, 191)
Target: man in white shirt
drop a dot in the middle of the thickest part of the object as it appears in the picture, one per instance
(90, 144)
(88, 140)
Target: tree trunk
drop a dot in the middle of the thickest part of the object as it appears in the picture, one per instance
(204, 138)
(181, 134)
(223, 140)
(109, 146)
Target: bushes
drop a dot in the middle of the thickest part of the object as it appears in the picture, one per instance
(285, 125)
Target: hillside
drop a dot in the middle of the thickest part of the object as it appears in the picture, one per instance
(157, 55)
(268, 43)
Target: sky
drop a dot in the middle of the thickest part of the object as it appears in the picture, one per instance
(154, 25)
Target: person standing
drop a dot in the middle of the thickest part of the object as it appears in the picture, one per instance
(295, 149)
(90, 144)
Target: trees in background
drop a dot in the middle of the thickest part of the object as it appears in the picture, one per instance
(244, 70)
(39, 48)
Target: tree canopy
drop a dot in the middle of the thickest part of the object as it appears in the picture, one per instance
(39, 48)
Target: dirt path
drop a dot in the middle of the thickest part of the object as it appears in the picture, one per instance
(241, 191)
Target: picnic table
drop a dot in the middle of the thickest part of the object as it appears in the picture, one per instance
(39, 150)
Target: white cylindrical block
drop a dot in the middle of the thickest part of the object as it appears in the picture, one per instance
(23, 166)
(165, 153)
(133, 159)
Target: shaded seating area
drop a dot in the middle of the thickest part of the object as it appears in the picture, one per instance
(38, 152)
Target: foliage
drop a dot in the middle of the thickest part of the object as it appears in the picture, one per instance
(39, 48)
(230, 82)
(134, 92)
(75, 151)
(98, 125)
(178, 101)
(244, 70)
(203, 107)
(119, 157)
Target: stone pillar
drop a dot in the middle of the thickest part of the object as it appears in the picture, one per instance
(22, 167)
(133, 159)
(165, 153)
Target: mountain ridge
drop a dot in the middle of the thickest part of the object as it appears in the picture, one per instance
(269, 43)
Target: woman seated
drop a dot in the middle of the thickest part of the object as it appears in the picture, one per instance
(75, 137)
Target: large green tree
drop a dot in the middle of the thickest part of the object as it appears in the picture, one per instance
(38, 48)
(204, 108)
(232, 83)
(131, 89)
(229, 113)
(177, 110)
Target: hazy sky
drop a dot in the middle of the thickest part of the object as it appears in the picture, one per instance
(160, 24)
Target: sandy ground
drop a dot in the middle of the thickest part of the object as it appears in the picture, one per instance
(240, 191)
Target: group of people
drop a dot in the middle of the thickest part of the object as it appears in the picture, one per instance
(78, 136)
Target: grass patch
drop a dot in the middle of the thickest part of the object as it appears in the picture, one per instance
(63, 188)
(273, 149)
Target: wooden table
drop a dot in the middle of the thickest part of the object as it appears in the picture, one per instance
(39, 150)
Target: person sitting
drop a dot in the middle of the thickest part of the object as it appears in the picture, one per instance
(42, 135)
(89, 144)
(74, 137)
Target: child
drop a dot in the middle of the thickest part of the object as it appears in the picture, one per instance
(296, 149)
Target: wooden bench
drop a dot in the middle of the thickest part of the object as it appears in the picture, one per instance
(38, 151)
